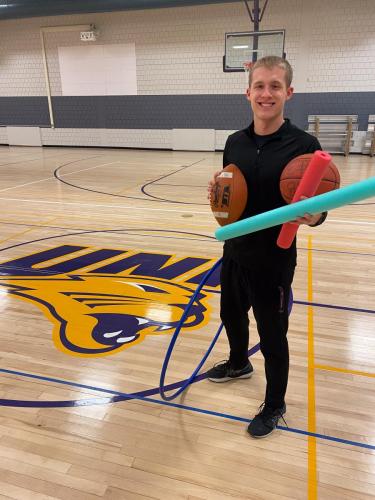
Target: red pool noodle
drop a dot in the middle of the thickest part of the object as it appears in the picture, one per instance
(307, 187)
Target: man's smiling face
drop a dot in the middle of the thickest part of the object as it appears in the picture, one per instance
(268, 93)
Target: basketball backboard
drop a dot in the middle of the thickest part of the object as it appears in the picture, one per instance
(250, 46)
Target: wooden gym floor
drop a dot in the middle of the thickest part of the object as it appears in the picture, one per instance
(100, 250)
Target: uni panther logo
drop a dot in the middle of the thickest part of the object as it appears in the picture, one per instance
(114, 306)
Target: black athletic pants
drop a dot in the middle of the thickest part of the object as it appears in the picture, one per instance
(265, 289)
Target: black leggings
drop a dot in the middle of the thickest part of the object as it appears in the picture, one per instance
(266, 290)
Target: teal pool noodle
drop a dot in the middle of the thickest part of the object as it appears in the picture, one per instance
(323, 202)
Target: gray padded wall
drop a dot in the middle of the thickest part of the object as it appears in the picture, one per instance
(219, 112)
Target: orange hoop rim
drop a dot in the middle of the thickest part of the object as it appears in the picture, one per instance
(247, 66)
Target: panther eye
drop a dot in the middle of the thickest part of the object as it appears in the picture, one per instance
(144, 287)
(142, 321)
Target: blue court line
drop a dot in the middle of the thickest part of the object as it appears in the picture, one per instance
(336, 251)
(43, 272)
(329, 306)
(316, 304)
(125, 396)
(183, 185)
(154, 182)
(56, 174)
(45, 404)
(43, 157)
(100, 231)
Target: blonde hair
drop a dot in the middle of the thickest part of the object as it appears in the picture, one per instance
(270, 62)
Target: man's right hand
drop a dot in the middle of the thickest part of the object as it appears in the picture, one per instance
(211, 184)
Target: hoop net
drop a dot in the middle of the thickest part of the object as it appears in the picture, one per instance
(247, 67)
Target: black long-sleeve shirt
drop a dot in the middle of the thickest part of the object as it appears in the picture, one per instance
(262, 159)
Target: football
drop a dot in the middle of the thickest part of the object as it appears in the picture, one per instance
(229, 195)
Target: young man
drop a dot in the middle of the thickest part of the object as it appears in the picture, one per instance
(255, 271)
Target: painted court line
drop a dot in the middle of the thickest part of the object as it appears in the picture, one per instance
(344, 221)
(344, 370)
(117, 207)
(52, 178)
(313, 304)
(331, 306)
(121, 396)
(210, 240)
(312, 489)
(26, 231)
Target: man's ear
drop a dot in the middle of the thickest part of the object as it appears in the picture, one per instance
(289, 93)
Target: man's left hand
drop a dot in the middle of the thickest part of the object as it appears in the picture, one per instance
(308, 219)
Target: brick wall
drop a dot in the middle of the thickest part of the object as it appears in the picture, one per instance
(331, 45)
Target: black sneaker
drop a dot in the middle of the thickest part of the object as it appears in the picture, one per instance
(222, 372)
(266, 421)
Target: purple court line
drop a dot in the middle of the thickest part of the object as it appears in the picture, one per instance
(205, 237)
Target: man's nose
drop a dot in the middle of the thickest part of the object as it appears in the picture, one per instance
(266, 91)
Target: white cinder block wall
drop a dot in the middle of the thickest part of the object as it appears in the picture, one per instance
(3, 135)
(331, 45)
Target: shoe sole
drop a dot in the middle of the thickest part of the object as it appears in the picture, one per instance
(261, 437)
(227, 379)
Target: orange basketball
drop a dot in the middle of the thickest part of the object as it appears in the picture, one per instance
(293, 173)
(229, 195)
